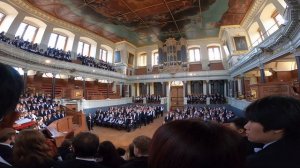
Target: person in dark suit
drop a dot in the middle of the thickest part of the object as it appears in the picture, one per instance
(89, 121)
(274, 121)
(141, 147)
(7, 139)
(85, 147)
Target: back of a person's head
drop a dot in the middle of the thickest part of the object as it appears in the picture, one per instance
(194, 144)
(85, 144)
(30, 149)
(142, 144)
(275, 113)
(11, 87)
(6, 134)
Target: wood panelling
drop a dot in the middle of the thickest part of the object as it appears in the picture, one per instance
(195, 67)
(216, 66)
(141, 71)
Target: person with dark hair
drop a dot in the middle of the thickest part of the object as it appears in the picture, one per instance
(109, 154)
(7, 139)
(11, 87)
(237, 124)
(275, 122)
(31, 150)
(65, 150)
(85, 147)
(194, 144)
(141, 146)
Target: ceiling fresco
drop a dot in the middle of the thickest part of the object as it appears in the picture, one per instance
(144, 22)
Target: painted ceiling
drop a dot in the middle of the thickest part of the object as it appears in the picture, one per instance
(144, 22)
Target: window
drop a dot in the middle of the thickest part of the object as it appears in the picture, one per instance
(83, 48)
(103, 55)
(155, 59)
(143, 59)
(214, 53)
(278, 18)
(57, 41)
(2, 16)
(194, 54)
(27, 32)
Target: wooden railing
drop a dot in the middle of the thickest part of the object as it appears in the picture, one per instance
(68, 126)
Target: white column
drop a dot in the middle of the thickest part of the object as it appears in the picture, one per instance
(98, 50)
(189, 87)
(204, 88)
(138, 89)
(168, 88)
(151, 88)
(46, 37)
(75, 46)
(239, 86)
(14, 26)
(209, 87)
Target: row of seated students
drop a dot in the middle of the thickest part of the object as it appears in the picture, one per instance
(127, 117)
(155, 99)
(202, 99)
(54, 53)
(207, 113)
(92, 62)
(40, 108)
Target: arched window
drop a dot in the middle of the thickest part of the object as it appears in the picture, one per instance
(83, 48)
(214, 53)
(155, 58)
(103, 54)
(194, 54)
(27, 32)
(57, 41)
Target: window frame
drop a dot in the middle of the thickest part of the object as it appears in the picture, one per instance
(194, 50)
(83, 43)
(4, 15)
(25, 29)
(155, 57)
(56, 40)
(144, 59)
(101, 54)
(214, 47)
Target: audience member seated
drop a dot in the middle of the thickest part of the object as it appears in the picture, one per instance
(40, 108)
(92, 62)
(202, 99)
(216, 114)
(31, 150)
(54, 53)
(194, 144)
(85, 147)
(154, 99)
(65, 150)
(141, 148)
(127, 117)
(274, 121)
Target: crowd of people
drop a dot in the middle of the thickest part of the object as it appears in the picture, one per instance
(202, 99)
(92, 62)
(153, 99)
(40, 108)
(54, 53)
(206, 114)
(272, 122)
(127, 117)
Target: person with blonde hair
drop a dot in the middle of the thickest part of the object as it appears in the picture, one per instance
(31, 150)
